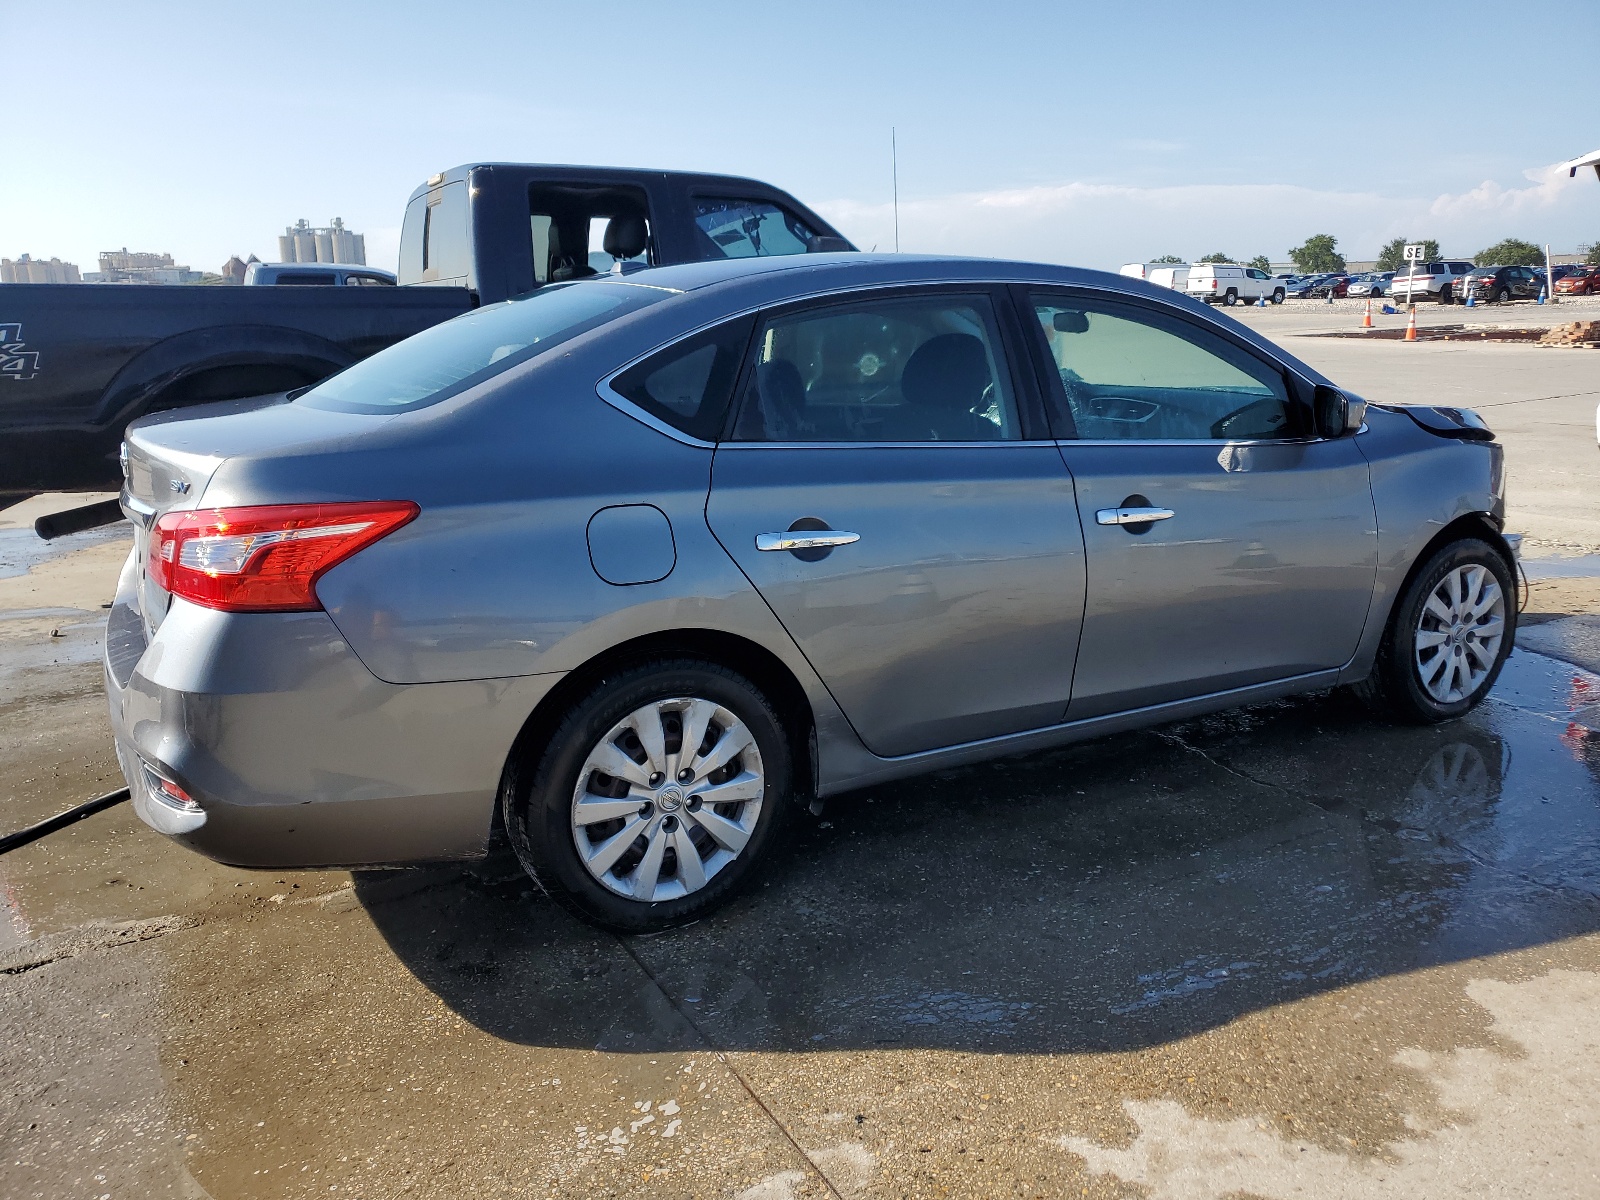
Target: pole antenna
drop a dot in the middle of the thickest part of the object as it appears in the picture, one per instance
(894, 174)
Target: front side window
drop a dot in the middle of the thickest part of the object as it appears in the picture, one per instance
(748, 228)
(447, 359)
(308, 278)
(922, 369)
(1129, 373)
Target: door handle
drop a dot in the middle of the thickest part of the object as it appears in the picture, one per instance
(805, 539)
(1132, 516)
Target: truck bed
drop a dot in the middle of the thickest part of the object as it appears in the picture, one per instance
(78, 361)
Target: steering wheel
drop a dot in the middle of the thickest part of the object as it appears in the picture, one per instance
(1269, 423)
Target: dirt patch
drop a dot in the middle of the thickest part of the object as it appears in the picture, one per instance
(1447, 333)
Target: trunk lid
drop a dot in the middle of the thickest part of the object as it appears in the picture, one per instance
(169, 461)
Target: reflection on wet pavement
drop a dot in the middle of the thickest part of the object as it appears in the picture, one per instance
(1107, 896)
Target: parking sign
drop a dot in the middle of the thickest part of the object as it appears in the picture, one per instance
(1413, 253)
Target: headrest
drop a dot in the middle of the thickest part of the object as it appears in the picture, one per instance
(626, 236)
(948, 371)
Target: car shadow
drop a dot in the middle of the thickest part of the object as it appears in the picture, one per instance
(1105, 896)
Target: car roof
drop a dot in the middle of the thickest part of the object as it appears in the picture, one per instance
(821, 272)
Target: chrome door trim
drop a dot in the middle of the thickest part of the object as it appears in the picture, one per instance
(806, 539)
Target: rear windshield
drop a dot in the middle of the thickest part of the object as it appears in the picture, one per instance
(450, 358)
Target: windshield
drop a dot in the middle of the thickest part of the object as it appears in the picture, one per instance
(449, 358)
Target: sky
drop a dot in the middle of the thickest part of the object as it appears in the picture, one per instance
(1092, 134)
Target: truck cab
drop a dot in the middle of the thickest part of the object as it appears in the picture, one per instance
(503, 229)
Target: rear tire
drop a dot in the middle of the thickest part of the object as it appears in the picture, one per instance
(1430, 666)
(1503, 296)
(1230, 298)
(639, 884)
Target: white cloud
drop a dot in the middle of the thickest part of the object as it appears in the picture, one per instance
(1104, 225)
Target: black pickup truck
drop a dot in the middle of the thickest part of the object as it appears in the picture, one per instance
(79, 361)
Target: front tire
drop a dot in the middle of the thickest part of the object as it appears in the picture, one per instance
(1277, 296)
(1448, 636)
(1447, 295)
(627, 828)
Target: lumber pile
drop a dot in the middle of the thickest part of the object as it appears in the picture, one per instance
(1573, 333)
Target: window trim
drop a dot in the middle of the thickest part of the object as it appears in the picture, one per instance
(1297, 388)
(1011, 354)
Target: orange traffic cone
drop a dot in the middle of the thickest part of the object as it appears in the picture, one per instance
(1411, 325)
(1366, 321)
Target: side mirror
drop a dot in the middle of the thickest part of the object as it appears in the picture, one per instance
(1067, 321)
(1337, 415)
(821, 243)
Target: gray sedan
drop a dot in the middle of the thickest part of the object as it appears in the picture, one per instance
(644, 566)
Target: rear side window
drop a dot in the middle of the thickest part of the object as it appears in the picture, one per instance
(447, 359)
(435, 246)
(326, 278)
(688, 385)
(748, 228)
(923, 369)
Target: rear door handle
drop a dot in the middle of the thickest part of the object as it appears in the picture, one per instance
(1132, 516)
(805, 539)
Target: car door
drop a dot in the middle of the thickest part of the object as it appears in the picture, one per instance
(915, 537)
(1225, 545)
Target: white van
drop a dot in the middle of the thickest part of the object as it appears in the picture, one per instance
(1229, 283)
(1167, 275)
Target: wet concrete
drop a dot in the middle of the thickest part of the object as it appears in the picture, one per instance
(1275, 952)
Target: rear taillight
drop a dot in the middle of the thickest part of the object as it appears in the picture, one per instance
(1213, 285)
(264, 558)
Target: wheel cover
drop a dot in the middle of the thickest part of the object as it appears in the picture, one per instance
(667, 799)
(1459, 632)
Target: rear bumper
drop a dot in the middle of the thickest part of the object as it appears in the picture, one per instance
(295, 753)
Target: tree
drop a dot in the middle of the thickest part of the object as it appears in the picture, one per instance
(1393, 255)
(1261, 263)
(1168, 258)
(1592, 254)
(1512, 252)
(1320, 253)
(1218, 257)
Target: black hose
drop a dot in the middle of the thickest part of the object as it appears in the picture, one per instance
(76, 520)
(33, 833)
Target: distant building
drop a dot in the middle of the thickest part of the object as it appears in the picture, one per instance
(233, 270)
(123, 266)
(30, 270)
(331, 244)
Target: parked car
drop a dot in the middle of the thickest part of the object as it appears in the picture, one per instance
(1301, 287)
(1439, 281)
(1583, 281)
(1337, 284)
(817, 526)
(1229, 283)
(259, 274)
(1501, 284)
(82, 361)
(1370, 284)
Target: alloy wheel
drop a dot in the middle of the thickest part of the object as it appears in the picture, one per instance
(1459, 632)
(667, 798)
